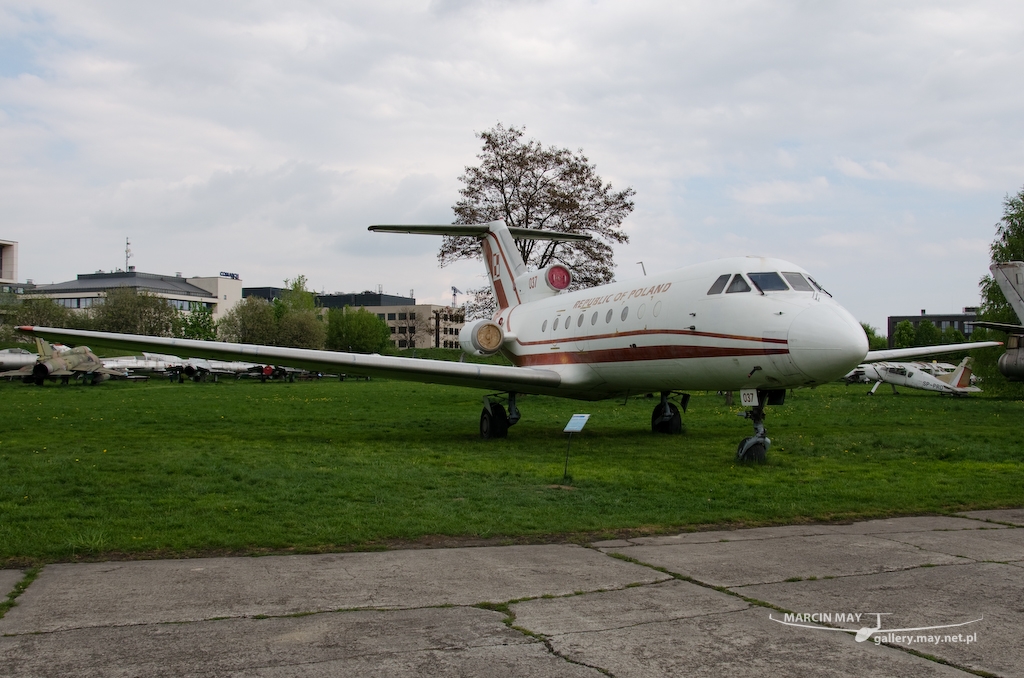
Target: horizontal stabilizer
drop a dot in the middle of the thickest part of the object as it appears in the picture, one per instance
(477, 231)
(917, 351)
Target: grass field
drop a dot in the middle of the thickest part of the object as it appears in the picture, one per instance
(157, 469)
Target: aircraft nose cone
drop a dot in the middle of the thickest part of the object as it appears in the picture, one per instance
(826, 342)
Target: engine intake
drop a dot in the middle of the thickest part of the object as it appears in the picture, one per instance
(481, 337)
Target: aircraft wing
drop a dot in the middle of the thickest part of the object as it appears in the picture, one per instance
(492, 377)
(916, 351)
(1002, 327)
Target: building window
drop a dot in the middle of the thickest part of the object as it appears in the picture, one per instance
(391, 316)
(392, 330)
(412, 316)
(381, 316)
(402, 343)
(401, 330)
(401, 316)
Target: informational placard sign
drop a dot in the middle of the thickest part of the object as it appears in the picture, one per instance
(748, 397)
(576, 424)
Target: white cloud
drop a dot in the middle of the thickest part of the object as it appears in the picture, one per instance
(780, 192)
(763, 125)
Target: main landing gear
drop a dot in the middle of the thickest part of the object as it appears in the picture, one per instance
(494, 421)
(755, 448)
(666, 418)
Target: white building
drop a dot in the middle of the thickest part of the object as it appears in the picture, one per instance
(218, 293)
(8, 262)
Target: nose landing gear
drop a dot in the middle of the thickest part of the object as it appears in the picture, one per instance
(755, 448)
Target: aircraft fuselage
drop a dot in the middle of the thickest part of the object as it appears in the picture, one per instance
(667, 332)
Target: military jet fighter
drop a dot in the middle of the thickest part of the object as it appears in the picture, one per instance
(76, 362)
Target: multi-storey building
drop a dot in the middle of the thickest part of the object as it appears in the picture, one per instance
(218, 293)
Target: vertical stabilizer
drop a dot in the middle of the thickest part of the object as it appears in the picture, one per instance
(1010, 277)
(43, 348)
(504, 264)
(960, 377)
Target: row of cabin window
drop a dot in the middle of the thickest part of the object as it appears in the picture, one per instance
(768, 281)
(579, 321)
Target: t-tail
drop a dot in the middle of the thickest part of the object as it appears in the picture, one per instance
(1010, 277)
(511, 282)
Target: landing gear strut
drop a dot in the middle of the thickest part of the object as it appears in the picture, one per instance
(494, 422)
(666, 418)
(755, 448)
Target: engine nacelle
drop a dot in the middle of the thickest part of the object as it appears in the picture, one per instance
(481, 337)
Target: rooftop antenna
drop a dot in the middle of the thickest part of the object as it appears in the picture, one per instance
(127, 252)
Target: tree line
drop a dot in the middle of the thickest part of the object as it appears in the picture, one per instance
(292, 320)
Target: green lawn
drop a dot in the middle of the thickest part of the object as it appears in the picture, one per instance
(155, 469)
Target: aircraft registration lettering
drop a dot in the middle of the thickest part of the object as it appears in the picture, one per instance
(638, 292)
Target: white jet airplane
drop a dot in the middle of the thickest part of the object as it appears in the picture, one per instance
(750, 324)
(915, 375)
(1010, 278)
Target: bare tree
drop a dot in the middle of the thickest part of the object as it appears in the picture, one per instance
(529, 186)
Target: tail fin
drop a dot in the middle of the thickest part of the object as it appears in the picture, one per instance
(1010, 277)
(44, 348)
(506, 269)
(960, 377)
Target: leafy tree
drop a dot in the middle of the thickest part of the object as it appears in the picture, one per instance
(251, 321)
(301, 329)
(295, 297)
(952, 335)
(356, 330)
(903, 336)
(927, 334)
(196, 324)
(1008, 246)
(529, 186)
(875, 342)
(130, 311)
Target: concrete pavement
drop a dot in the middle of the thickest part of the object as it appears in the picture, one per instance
(702, 603)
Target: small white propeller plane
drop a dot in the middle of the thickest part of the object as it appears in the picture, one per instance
(751, 324)
(915, 375)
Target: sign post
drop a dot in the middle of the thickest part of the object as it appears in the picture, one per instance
(575, 425)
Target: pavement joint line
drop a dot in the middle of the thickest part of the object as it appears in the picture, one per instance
(510, 619)
(19, 588)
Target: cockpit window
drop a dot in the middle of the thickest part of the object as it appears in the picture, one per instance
(738, 284)
(797, 282)
(768, 282)
(815, 283)
(719, 284)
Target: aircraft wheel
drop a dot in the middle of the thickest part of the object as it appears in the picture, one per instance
(752, 450)
(494, 424)
(674, 425)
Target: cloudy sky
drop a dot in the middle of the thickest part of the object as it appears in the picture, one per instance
(870, 142)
